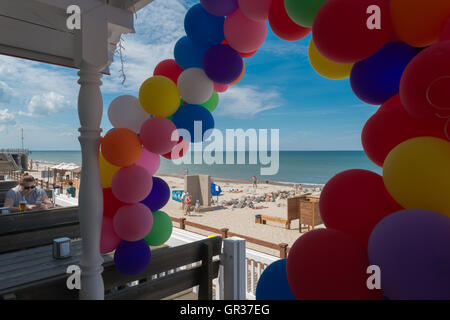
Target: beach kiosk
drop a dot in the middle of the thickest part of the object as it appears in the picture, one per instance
(45, 31)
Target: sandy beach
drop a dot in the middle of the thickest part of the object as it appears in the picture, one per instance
(242, 220)
(228, 212)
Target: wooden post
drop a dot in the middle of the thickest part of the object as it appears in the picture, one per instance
(205, 286)
(182, 223)
(283, 250)
(224, 232)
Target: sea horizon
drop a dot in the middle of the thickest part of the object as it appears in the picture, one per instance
(295, 166)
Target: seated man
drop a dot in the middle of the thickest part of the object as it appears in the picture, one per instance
(27, 190)
(71, 190)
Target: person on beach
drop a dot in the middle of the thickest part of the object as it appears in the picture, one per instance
(71, 190)
(187, 204)
(254, 182)
(35, 197)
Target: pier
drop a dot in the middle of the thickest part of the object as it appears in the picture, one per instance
(14, 159)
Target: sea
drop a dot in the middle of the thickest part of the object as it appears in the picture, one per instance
(305, 167)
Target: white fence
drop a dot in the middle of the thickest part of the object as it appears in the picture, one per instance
(240, 267)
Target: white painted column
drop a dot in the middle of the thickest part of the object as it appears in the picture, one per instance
(90, 108)
(234, 268)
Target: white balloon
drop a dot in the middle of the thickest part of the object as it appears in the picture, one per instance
(126, 112)
(194, 86)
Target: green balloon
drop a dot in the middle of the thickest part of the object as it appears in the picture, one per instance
(303, 12)
(161, 230)
(212, 103)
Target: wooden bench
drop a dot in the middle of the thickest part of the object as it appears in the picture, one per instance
(263, 219)
(304, 208)
(37, 228)
(6, 185)
(34, 281)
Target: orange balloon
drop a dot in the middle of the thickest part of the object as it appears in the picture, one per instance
(419, 22)
(240, 77)
(121, 147)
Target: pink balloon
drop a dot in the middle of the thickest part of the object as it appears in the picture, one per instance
(242, 34)
(133, 222)
(220, 87)
(132, 184)
(257, 10)
(109, 239)
(149, 161)
(159, 135)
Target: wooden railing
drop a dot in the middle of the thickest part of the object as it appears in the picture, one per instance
(172, 270)
(44, 184)
(225, 233)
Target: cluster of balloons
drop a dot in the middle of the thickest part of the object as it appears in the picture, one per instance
(399, 221)
(132, 196)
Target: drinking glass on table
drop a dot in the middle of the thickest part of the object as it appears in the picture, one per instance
(22, 205)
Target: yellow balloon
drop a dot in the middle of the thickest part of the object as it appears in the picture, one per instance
(159, 96)
(107, 171)
(417, 174)
(325, 67)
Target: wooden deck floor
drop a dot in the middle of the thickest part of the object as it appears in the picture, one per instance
(184, 295)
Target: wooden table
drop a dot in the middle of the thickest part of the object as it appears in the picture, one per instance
(32, 267)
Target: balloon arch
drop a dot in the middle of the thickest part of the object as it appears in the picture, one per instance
(396, 54)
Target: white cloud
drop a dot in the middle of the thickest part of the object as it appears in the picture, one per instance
(7, 119)
(6, 93)
(46, 104)
(247, 101)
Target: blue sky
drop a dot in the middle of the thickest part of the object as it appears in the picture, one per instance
(279, 90)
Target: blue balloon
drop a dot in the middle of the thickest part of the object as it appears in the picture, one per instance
(273, 283)
(377, 78)
(132, 257)
(204, 29)
(159, 196)
(189, 115)
(188, 55)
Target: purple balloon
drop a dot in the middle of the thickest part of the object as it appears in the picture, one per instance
(412, 249)
(220, 7)
(222, 64)
(132, 257)
(159, 196)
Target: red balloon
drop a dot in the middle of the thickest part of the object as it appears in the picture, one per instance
(109, 240)
(282, 25)
(390, 126)
(341, 33)
(424, 87)
(180, 149)
(445, 34)
(247, 55)
(168, 68)
(392, 102)
(354, 201)
(326, 264)
(110, 203)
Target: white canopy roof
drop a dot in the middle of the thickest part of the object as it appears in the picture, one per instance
(36, 29)
(67, 167)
